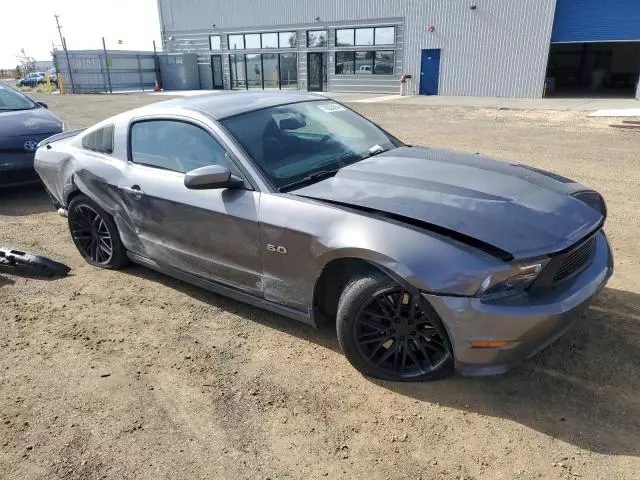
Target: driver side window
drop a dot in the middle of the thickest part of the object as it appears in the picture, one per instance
(175, 145)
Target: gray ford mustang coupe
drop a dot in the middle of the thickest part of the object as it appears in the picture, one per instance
(428, 260)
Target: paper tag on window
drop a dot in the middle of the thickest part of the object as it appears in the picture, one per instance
(331, 108)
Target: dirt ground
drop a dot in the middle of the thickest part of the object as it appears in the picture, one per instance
(132, 375)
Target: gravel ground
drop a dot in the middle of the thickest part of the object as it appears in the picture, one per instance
(132, 375)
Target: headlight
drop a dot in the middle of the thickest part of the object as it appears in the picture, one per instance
(593, 199)
(516, 280)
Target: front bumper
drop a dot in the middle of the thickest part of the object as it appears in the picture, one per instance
(16, 169)
(527, 323)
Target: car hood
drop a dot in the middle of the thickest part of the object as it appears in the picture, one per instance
(28, 122)
(518, 209)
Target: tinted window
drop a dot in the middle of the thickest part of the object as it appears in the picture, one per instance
(317, 38)
(238, 72)
(292, 141)
(236, 42)
(100, 140)
(252, 41)
(214, 42)
(364, 36)
(344, 38)
(177, 146)
(269, 40)
(385, 35)
(288, 39)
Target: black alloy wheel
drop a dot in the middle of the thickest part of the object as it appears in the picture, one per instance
(392, 333)
(95, 234)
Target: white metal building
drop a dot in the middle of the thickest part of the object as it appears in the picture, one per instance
(522, 48)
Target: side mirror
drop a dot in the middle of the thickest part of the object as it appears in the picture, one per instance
(212, 177)
(43, 105)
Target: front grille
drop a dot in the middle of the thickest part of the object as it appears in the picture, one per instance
(576, 260)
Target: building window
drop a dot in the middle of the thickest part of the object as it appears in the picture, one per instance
(385, 36)
(365, 63)
(270, 70)
(252, 41)
(214, 42)
(288, 70)
(345, 37)
(266, 70)
(348, 37)
(364, 36)
(269, 40)
(317, 38)
(288, 39)
(236, 42)
(238, 71)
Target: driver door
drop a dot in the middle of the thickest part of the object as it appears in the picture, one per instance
(209, 233)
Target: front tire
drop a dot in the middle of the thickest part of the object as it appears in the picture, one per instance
(95, 234)
(390, 333)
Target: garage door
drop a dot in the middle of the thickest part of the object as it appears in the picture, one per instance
(596, 21)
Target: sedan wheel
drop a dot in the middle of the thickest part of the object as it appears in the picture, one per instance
(390, 333)
(95, 234)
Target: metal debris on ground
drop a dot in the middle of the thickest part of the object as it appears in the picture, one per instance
(16, 261)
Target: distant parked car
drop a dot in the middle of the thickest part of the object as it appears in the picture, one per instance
(32, 79)
(23, 124)
(53, 76)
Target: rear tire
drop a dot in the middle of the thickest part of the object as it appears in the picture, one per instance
(95, 234)
(390, 333)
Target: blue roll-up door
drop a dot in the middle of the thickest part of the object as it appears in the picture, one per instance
(596, 21)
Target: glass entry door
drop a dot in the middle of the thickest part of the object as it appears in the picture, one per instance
(317, 71)
(216, 72)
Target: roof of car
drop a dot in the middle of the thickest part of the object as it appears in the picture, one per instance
(228, 104)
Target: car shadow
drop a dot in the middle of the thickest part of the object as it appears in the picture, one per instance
(582, 390)
(324, 336)
(29, 200)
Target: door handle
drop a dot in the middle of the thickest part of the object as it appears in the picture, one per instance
(135, 191)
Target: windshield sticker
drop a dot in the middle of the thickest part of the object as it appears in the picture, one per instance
(331, 108)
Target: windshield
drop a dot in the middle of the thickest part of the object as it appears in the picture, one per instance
(11, 99)
(291, 143)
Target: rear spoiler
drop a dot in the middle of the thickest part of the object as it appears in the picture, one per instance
(61, 136)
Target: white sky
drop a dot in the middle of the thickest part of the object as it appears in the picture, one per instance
(30, 24)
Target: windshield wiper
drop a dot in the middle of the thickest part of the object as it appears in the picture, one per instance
(316, 176)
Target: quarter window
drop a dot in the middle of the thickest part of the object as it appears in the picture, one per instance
(176, 146)
(100, 140)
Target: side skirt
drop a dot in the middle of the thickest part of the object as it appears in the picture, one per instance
(223, 290)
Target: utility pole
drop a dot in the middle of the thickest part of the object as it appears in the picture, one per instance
(66, 52)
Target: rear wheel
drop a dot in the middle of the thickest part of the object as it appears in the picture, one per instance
(95, 234)
(390, 333)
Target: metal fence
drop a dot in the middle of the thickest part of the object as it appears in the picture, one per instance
(102, 71)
